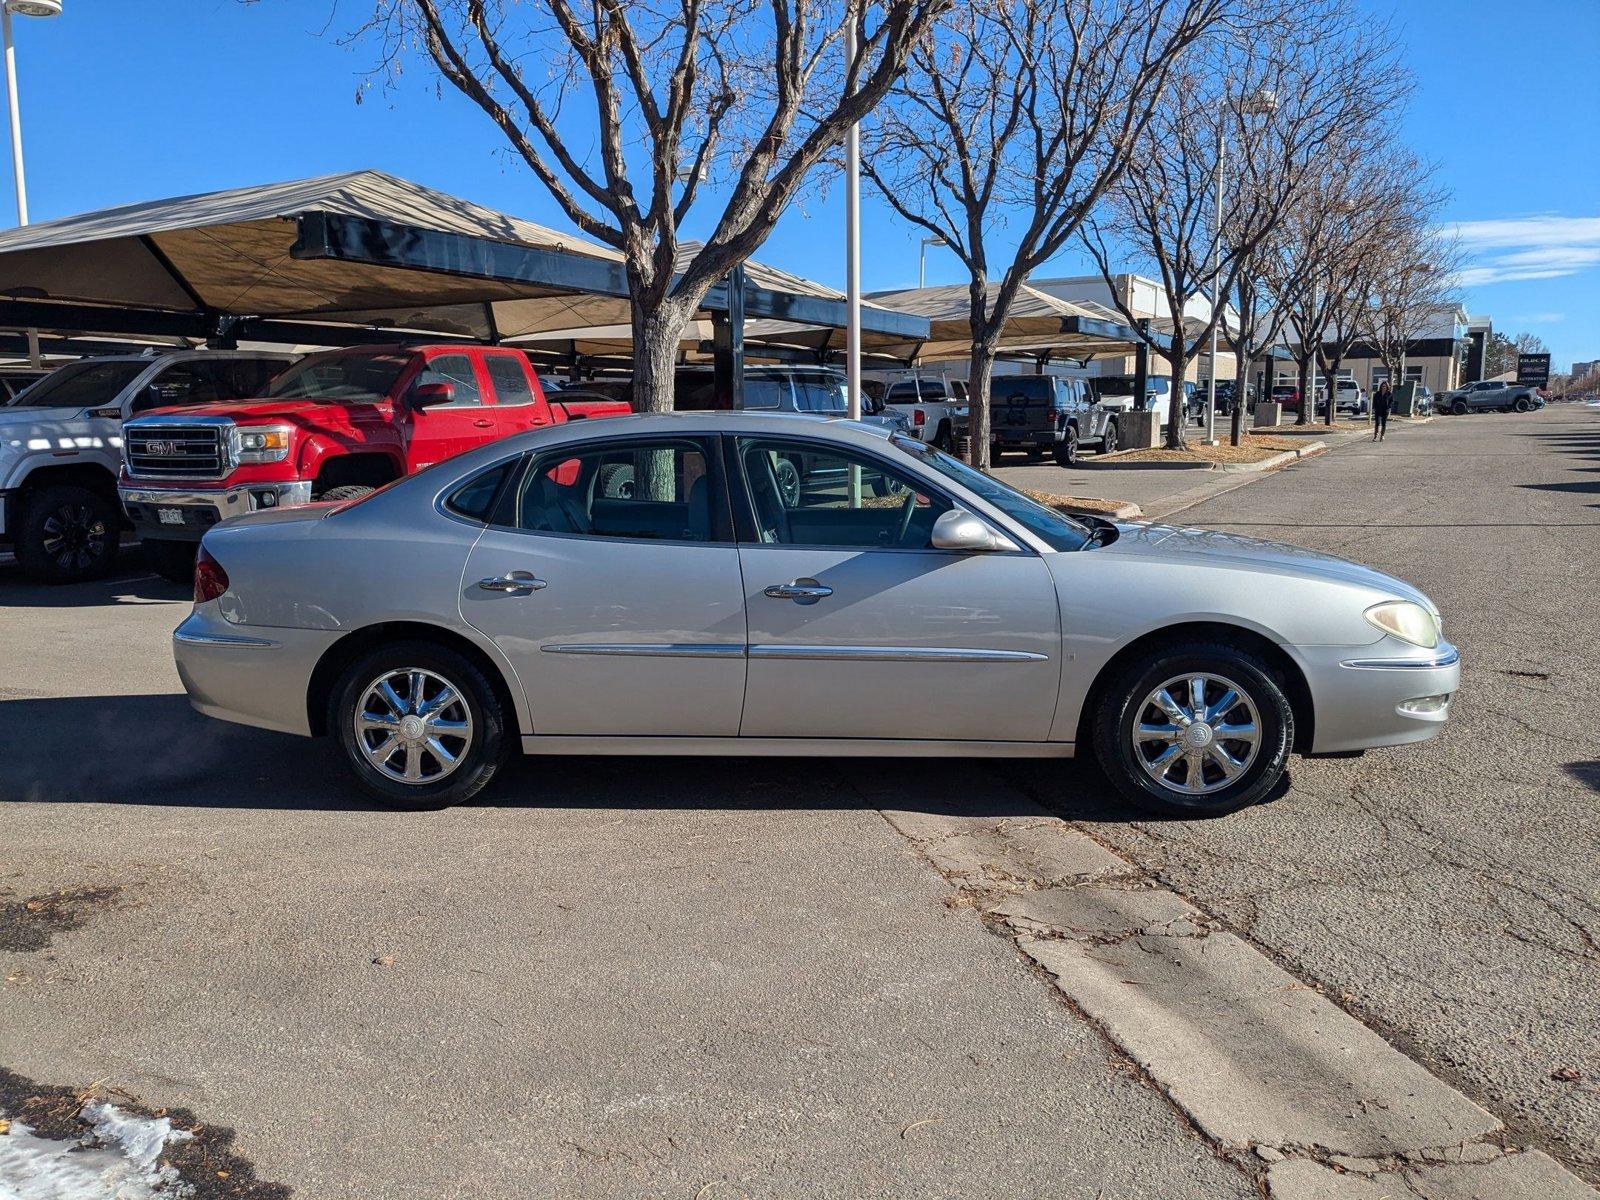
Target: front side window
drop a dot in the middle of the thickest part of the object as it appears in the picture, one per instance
(456, 371)
(657, 490)
(807, 494)
(1055, 529)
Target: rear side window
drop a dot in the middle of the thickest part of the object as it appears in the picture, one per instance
(510, 379)
(475, 498)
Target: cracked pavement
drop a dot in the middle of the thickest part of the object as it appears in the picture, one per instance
(1448, 894)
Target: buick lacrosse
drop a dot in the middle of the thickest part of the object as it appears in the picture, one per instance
(733, 583)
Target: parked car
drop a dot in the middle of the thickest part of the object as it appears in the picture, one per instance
(1348, 396)
(1115, 394)
(1044, 414)
(60, 448)
(1490, 395)
(1226, 391)
(334, 426)
(1191, 662)
(1422, 402)
(1287, 395)
(931, 405)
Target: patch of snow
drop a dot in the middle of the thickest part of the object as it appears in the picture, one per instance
(116, 1159)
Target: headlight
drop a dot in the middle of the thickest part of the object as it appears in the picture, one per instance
(1407, 621)
(262, 443)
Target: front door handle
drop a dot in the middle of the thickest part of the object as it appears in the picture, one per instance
(801, 591)
(482, 424)
(512, 581)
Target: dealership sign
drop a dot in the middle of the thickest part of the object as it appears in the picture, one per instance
(1533, 369)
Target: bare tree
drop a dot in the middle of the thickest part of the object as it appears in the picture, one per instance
(624, 109)
(1252, 89)
(1008, 127)
(1415, 279)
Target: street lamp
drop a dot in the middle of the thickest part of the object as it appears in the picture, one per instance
(23, 8)
(1261, 102)
(922, 258)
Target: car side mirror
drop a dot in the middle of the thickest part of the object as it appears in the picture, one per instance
(960, 530)
(429, 395)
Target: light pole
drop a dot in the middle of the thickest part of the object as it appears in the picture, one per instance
(23, 8)
(922, 258)
(1264, 101)
(852, 237)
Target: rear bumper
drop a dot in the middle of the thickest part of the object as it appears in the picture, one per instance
(248, 674)
(184, 514)
(1381, 695)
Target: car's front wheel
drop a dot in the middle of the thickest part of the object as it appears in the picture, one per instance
(1196, 729)
(419, 724)
(1459, 408)
(68, 534)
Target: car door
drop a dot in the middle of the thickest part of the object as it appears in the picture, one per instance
(610, 580)
(517, 406)
(442, 430)
(858, 628)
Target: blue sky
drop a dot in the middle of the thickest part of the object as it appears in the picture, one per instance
(127, 102)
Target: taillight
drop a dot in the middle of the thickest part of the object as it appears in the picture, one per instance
(210, 580)
(918, 417)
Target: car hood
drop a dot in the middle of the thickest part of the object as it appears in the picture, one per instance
(1177, 544)
(248, 412)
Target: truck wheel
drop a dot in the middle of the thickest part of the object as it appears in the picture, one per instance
(1108, 444)
(615, 481)
(1459, 408)
(68, 534)
(419, 725)
(1521, 405)
(347, 491)
(1197, 729)
(173, 561)
(942, 440)
(1066, 451)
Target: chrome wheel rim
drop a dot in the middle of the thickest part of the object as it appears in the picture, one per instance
(1197, 733)
(789, 482)
(413, 726)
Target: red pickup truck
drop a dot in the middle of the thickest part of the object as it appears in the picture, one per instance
(333, 426)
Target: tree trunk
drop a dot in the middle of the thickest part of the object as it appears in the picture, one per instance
(1308, 392)
(1330, 381)
(656, 337)
(1241, 391)
(980, 376)
(1177, 410)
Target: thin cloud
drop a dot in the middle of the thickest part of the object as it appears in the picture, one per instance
(1539, 318)
(1536, 247)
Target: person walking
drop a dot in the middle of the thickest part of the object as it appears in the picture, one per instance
(1380, 410)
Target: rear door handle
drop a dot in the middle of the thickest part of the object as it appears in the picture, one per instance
(801, 591)
(513, 581)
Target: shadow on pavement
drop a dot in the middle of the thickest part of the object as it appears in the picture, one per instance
(1586, 773)
(133, 582)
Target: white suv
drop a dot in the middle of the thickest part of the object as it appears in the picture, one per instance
(61, 448)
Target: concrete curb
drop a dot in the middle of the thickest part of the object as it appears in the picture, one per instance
(1114, 462)
(1267, 464)
(1275, 1075)
(1126, 510)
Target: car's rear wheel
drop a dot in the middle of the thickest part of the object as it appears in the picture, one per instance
(1108, 444)
(68, 534)
(419, 724)
(1066, 451)
(1196, 729)
(942, 440)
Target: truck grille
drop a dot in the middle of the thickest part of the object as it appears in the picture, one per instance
(176, 451)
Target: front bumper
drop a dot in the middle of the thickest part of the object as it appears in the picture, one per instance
(184, 514)
(1381, 695)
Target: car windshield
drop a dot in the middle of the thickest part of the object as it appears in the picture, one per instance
(83, 384)
(1055, 529)
(342, 378)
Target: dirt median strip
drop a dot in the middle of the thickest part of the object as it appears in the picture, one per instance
(1263, 1064)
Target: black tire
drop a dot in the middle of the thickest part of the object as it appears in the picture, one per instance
(1521, 404)
(481, 754)
(173, 561)
(1122, 706)
(1459, 408)
(68, 534)
(942, 440)
(1108, 444)
(347, 491)
(1066, 451)
(615, 481)
(790, 481)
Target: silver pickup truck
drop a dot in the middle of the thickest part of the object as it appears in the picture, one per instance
(1490, 395)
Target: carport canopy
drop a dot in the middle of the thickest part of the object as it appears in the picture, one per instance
(1039, 326)
(339, 259)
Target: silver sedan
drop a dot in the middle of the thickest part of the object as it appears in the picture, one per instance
(720, 583)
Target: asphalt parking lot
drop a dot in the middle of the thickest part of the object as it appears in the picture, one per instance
(714, 979)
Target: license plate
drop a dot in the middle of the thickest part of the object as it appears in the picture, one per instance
(170, 516)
